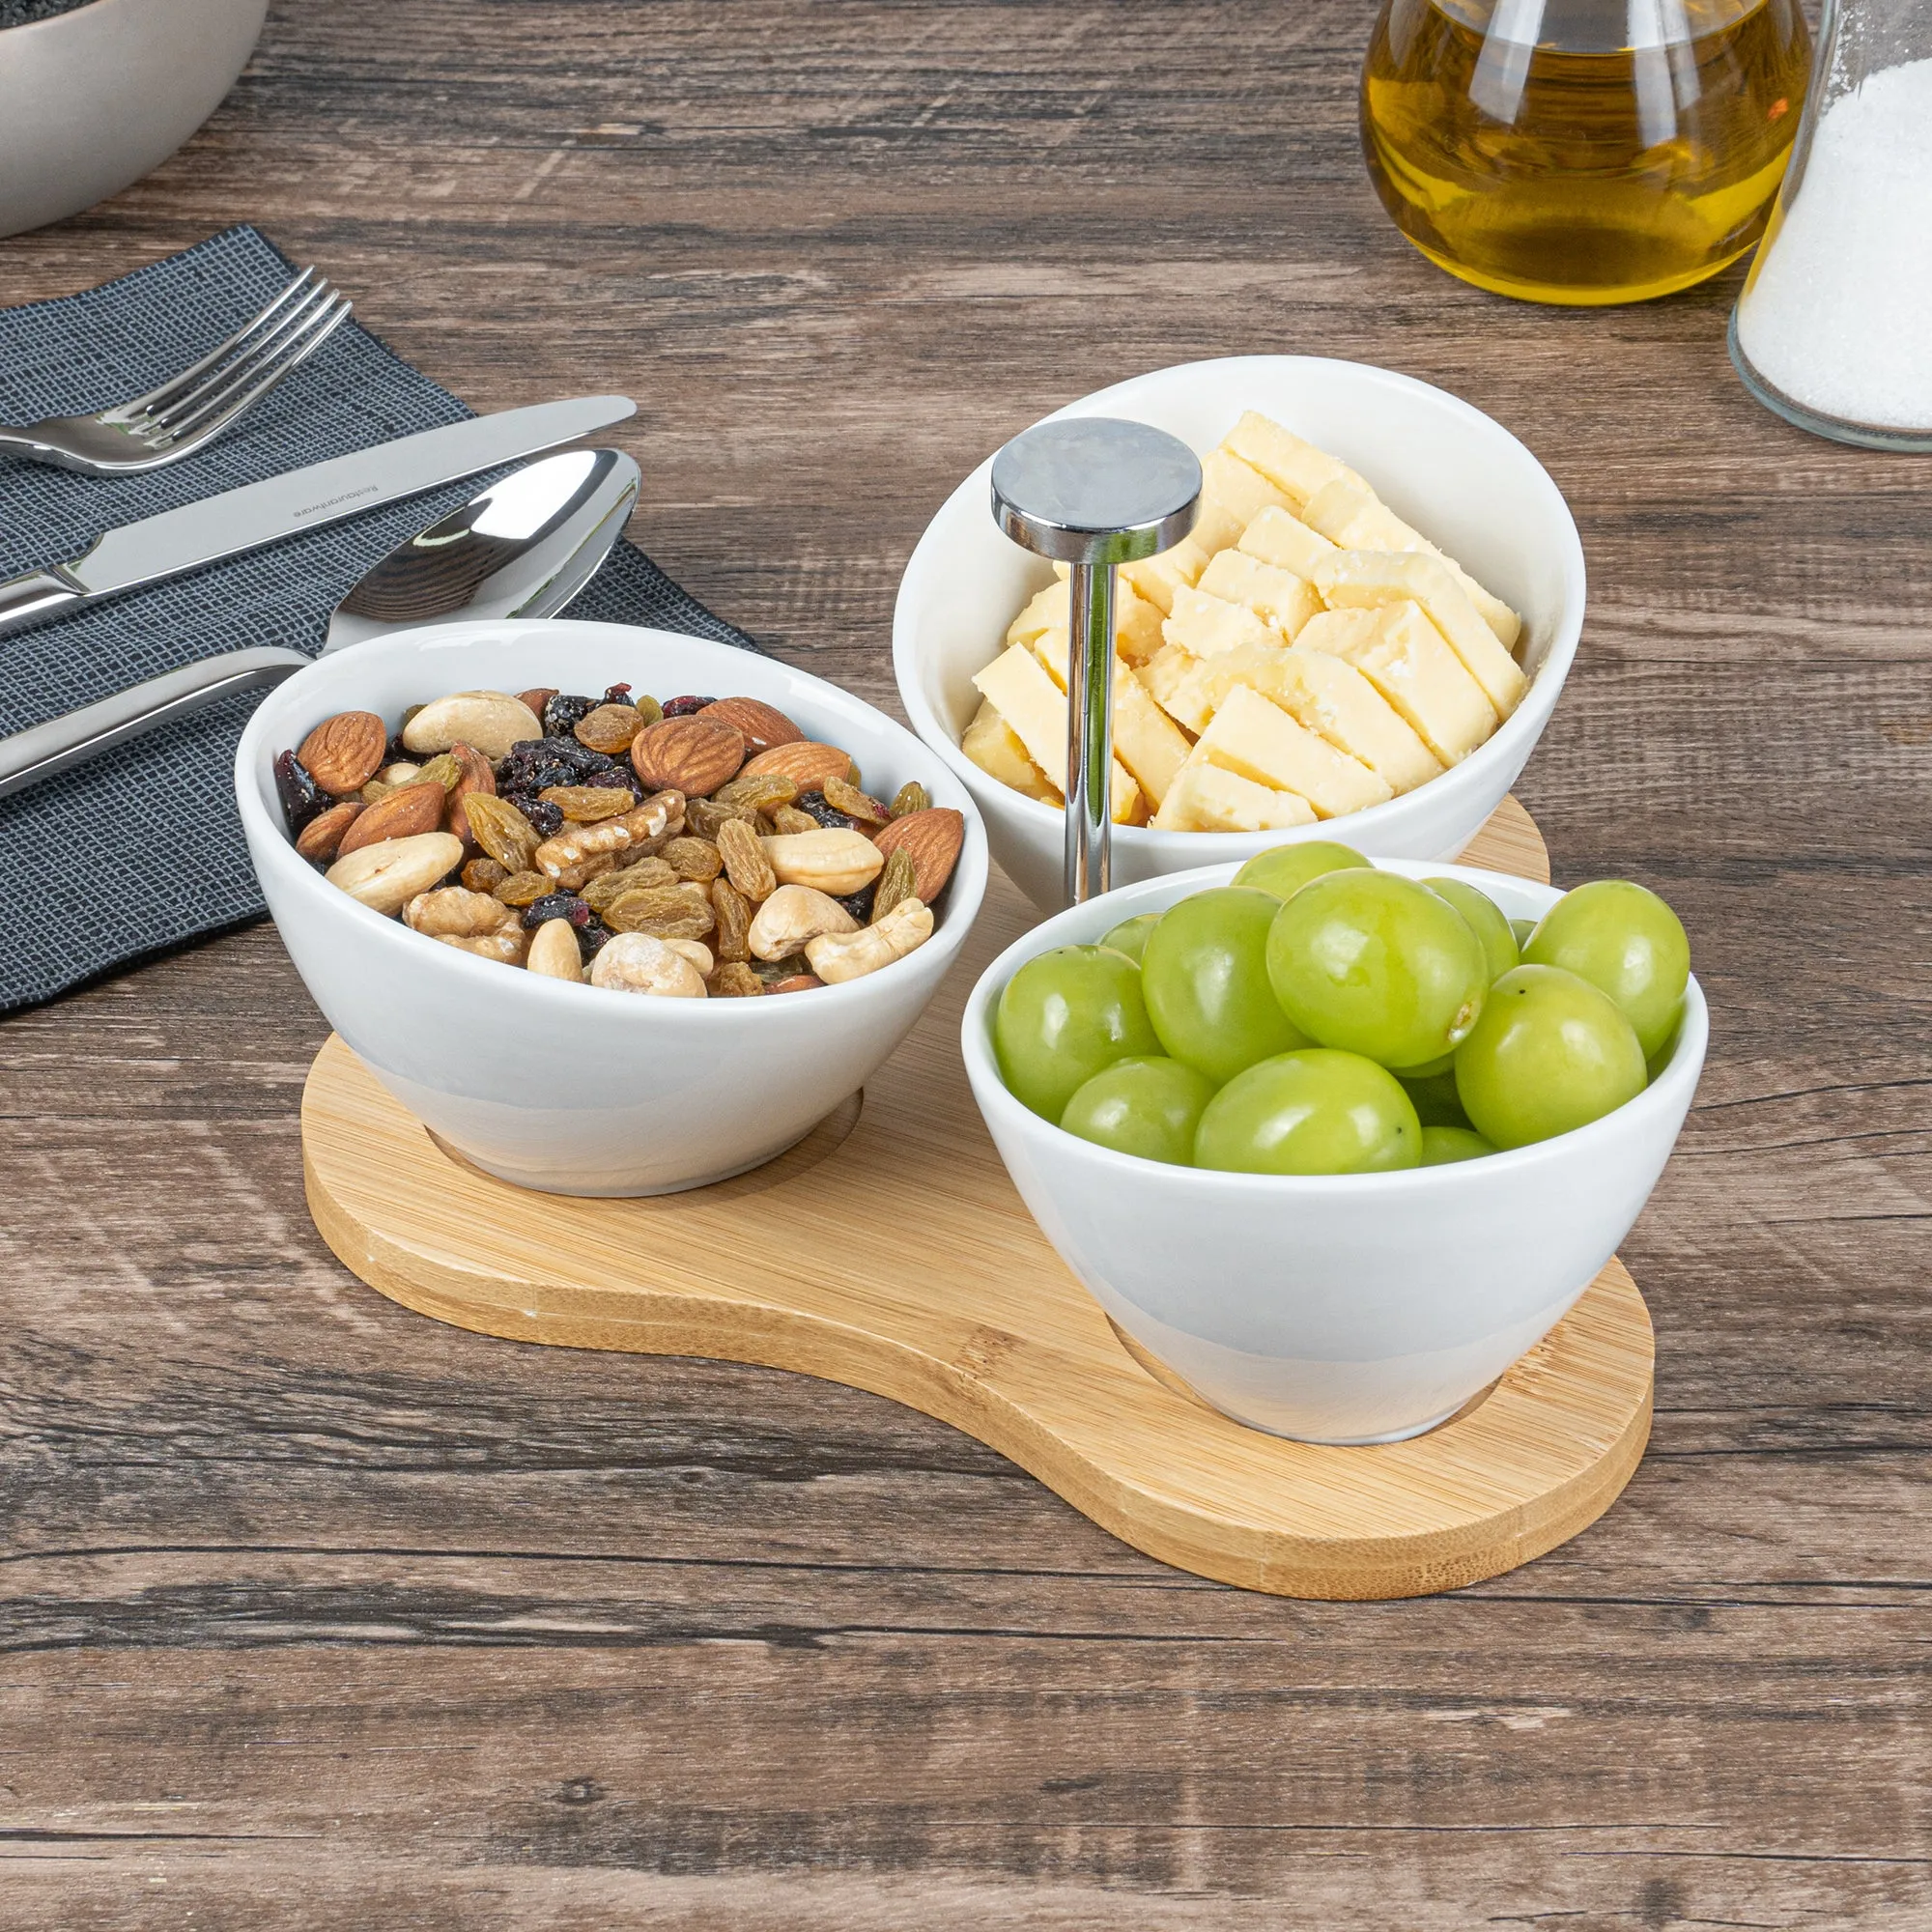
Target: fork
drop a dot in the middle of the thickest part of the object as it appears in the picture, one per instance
(191, 408)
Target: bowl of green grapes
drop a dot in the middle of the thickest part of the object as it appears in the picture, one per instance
(1336, 1139)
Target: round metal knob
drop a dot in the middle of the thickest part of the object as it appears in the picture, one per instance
(1094, 492)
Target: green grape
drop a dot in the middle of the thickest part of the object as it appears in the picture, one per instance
(1379, 965)
(1204, 975)
(1063, 1016)
(1550, 1052)
(1148, 1107)
(1284, 870)
(1440, 1146)
(1625, 940)
(1311, 1112)
(1130, 936)
(1519, 931)
(1486, 921)
(1433, 1096)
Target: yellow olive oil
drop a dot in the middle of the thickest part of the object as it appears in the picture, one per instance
(1582, 151)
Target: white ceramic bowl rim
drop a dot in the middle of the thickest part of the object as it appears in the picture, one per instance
(963, 892)
(1526, 720)
(1660, 1099)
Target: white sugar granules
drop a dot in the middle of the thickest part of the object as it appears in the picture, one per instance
(1839, 316)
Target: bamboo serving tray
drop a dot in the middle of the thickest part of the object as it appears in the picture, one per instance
(976, 1321)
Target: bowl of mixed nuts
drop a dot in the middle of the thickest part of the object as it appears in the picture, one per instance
(611, 911)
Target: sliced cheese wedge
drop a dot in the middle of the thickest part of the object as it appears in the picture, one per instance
(1046, 609)
(1036, 707)
(1145, 739)
(1355, 519)
(1296, 467)
(1136, 622)
(1369, 578)
(1207, 625)
(1337, 632)
(1168, 676)
(1331, 699)
(1405, 657)
(1260, 741)
(1286, 542)
(1204, 798)
(992, 744)
(1276, 596)
(1232, 496)
(1158, 577)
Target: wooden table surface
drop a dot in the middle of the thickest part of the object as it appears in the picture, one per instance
(318, 1614)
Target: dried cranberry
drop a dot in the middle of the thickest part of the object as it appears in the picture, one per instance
(812, 803)
(556, 906)
(620, 778)
(619, 693)
(302, 798)
(683, 707)
(545, 819)
(591, 939)
(859, 903)
(396, 753)
(564, 712)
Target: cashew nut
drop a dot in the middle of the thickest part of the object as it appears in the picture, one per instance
(492, 721)
(389, 874)
(634, 962)
(835, 957)
(697, 953)
(835, 860)
(792, 915)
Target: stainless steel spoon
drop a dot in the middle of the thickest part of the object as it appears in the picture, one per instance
(523, 548)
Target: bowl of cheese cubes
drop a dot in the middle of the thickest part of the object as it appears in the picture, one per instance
(1369, 623)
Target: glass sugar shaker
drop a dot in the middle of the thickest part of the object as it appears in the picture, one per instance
(1834, 330)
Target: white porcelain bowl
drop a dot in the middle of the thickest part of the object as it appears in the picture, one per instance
(1457, 476)
(95, 99)
(573, 1089)
(1348, 1308)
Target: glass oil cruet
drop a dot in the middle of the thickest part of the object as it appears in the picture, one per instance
(1582, 151)
(1834, 330)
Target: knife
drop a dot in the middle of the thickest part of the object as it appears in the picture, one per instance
(298, 500)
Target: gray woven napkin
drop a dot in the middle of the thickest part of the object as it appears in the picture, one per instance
(141, 851)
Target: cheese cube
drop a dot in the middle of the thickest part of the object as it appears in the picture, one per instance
(1286, 542)
(1137, 623)
(1046, 609)
(1168, 676)
(1260, 741)
(1144, 741)
(1204, 798)
(1232, 496)
(1338, 632)
(990, 743)
(1158, 578)
(1331, 699)
(1407, 660)
(1210, 625)
(1277, 597)
(1355, 518)
(1036, 707)
(1369, 578)
(1294, 468)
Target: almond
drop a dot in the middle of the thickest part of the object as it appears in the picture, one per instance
(344, 753)
(401, 815)
(807, 763)
(762, 725)
(478, 776)
(321, 837)
(535, 701)
(933, 838)
(691, 754)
